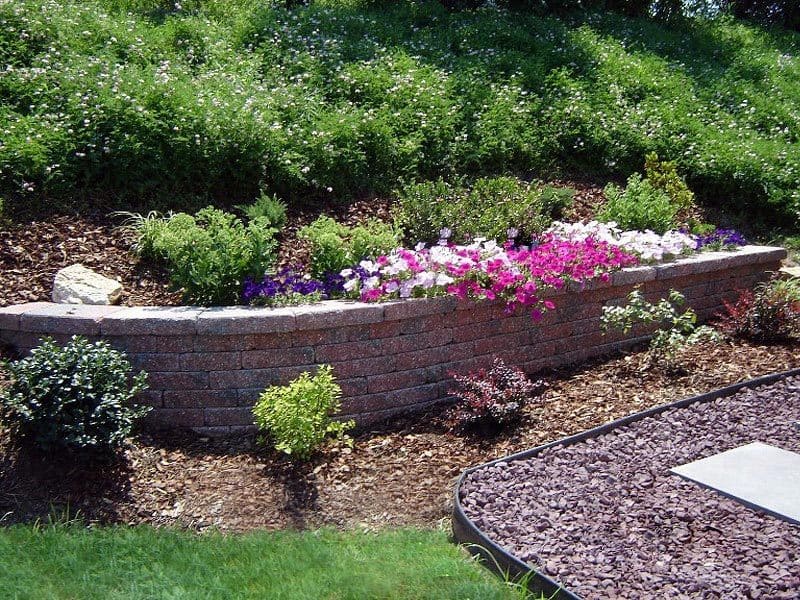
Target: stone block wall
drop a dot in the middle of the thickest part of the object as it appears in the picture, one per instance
(207, 366)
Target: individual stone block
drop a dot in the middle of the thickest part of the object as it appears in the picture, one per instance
(238, 320)
(757, 475)
(65, 319)
(152, 321)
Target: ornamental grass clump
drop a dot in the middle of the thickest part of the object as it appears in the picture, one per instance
(297, 417)
(76, 397)
(488, 400)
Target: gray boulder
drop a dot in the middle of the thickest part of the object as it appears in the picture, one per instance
(77, 284)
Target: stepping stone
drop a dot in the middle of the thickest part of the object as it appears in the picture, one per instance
(758, 475)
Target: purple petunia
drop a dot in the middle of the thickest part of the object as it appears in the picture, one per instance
(721, 238)
(287, 282)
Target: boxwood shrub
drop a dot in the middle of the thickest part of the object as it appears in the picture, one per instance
(75, 397)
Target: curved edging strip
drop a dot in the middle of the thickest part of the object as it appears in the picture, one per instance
(498, 559)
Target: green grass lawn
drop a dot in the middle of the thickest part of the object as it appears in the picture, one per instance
(159, 102)
(56, 562)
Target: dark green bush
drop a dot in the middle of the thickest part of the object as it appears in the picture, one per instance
(335, 246)
(489, 208)
(297, 417)
(208, 255)
(269, 208)
(77, 397)
(639, 206)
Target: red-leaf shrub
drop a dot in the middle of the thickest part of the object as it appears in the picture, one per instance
(489, 400)
(770, 313)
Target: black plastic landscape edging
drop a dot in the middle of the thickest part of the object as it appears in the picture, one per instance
(499, 560)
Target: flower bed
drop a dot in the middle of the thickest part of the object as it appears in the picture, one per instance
(208, 365)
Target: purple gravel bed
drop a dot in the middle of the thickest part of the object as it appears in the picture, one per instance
(606, 518)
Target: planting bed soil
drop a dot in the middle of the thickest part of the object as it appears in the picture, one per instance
(401, 473)
(607, 519)
(33, 250)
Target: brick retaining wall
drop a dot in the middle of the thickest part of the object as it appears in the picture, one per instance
(207, 366)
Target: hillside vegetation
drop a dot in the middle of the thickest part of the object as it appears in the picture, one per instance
(149, 103)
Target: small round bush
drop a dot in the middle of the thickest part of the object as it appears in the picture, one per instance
(75, 397)
(297, 416)
(640, 206)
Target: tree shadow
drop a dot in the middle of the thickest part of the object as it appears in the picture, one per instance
(61, 487)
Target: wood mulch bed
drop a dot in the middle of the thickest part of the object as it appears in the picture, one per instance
(32, 250)
(402, 473)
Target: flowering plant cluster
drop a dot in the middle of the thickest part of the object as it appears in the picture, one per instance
(647, 245)
(289, 287)
(486, 270)
(721, 239)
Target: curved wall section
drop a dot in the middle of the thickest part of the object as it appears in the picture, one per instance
(207, 366)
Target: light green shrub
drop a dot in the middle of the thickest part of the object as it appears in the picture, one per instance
(208, 255)
(639, 206)
(335, 246)
(676, 330)
(663, 175)
(297, 416)
(75, 397)
(489, 208)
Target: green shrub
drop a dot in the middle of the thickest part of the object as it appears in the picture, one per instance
(663, 175)
(75, 397)
(488, 209)
(270, 208)
(335, 246)
(297, 416)
(639, 206)
(676, 330)
(208, 255)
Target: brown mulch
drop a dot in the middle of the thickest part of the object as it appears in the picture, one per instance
(32, 251)
(400, 474)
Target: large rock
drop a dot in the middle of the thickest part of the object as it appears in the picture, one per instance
(790, 272)
(78, 285)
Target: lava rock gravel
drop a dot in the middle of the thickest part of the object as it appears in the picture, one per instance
(607, 519)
